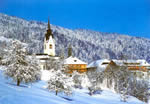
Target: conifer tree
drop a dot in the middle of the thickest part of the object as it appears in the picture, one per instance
(62, 54)
(21, 68)
(59, 81)
(69, 50)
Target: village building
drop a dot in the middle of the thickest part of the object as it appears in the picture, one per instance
(75, 64)
(49, 49)
(140, 68)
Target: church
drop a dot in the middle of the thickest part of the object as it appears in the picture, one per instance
(49, 49)
(49, 53)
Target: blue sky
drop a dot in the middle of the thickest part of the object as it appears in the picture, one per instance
(130, 17)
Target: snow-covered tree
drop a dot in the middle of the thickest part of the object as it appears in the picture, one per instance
(95, 78)
(81, 80)
(118, 78)
(59, 81)
(62, 53)
(2, 51)
(21, 67)
(125, 83)
(123, 78)
(140, 89)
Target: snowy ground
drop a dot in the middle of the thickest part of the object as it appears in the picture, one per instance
(37, 94)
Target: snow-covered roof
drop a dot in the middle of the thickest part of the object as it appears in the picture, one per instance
(44, 56)
(102, 64)
(143, 62)
(99, 64)
(131, 62)
(73, 60)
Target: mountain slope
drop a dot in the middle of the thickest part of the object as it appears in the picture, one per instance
(87, 45)
(37, 94)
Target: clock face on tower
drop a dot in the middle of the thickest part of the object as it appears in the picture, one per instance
(50, 46)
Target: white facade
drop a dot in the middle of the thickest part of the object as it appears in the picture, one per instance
(43, 60)
(49, 46)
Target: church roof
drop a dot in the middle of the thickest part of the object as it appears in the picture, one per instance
(73, 60)
(49, 32)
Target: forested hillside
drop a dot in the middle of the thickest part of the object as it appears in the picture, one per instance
(87, 45)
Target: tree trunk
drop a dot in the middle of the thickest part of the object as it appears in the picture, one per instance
(18, 82)
(56, 92)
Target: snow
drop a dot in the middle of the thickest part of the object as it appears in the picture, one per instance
(37, 94)
(73, 60)
(2, 39)
(139, 62)
(99, 64)
(45, 75)
(143, 62)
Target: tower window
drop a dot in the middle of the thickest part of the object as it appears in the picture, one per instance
(45, 46)
(50, 46)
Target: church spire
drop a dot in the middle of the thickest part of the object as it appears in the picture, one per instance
(48, 24)
(49, 31)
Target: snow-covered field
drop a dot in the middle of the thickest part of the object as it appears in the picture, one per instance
(37, 94)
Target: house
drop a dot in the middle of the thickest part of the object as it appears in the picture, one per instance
(140, 68)
(75, 64)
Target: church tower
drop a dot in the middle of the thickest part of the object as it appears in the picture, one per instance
(49, 42)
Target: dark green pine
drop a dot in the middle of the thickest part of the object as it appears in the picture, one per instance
(69, 50)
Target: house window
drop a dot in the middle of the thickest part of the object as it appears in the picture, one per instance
(75, 60)
(50, 46)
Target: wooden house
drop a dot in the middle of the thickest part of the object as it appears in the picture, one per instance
(74, 64)
(141, 68)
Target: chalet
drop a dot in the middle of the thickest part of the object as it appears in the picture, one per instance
(140, 68)
(137, 65)
(74, 64)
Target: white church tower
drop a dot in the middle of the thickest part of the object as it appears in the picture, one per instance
(49, 42)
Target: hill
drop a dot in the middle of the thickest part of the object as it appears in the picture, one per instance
(87, 45)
